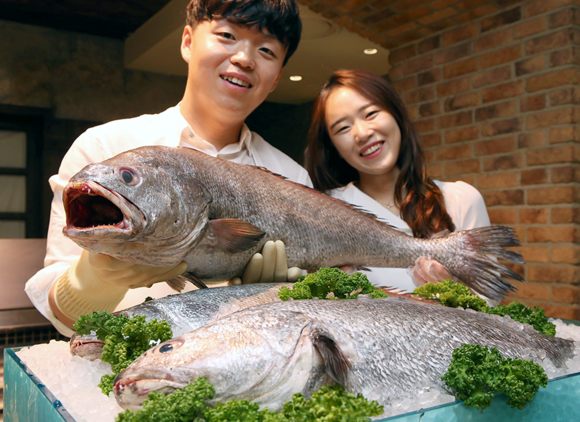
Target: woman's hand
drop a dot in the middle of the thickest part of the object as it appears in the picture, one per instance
(269, 266)
(427, 270)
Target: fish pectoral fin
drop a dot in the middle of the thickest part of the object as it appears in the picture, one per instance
(177, 284)
(337, 365)
(189, 276)
(235, 235)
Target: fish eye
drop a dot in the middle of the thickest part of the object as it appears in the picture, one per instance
(129, 176)
(170, 346)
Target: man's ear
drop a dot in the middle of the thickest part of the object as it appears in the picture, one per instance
(186, 43)
(277, 79)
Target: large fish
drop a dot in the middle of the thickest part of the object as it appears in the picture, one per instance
(382, 348)
(161, 205)
(186, 312)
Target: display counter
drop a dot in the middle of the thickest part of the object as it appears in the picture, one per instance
(26, 399)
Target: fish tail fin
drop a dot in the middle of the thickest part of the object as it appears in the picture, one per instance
(474, 266)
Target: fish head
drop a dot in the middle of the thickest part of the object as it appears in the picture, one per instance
(136, 207)
(263, 358)
(87, 346)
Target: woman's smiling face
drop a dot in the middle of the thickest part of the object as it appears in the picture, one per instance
(365, 135)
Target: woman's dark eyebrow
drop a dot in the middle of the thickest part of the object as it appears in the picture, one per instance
(344, 118)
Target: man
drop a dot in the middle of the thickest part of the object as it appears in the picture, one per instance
(235, 52)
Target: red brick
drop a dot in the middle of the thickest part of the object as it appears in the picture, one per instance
(503, 18)
(539, 7)
(435, 171)
(462, 167)
(534, 177)
(553, 154)
(504, 162)
(405, 84)
(431, 140)
(502, 216)
(534, 253)
(461, 101)
(553, 195)
(429, 156)
(452, 87)
(504, 55)
(396, 72)
(561, 312)
(564, 134)
(498, 181)
(565, 96)
(500, 127)
(424, 126)
(563, 17)
(505, 109)
(492, 76)
(460, 34)
(461, 68)
(550, 41)
(565, 215)
(420, 95)
(495, 146)
(413, 112)
(398, 30)
(570, 55)
(437, 16)
(533, 103)
(552, 118)
(563, 294)
(402, 54)
(461, 135)
(496, 39)
(408, 37)
(504, 197)
(553, 79)
(527, 66)
(530, 27)
(534, 216)
(454, 53)
(553, 234)
(533, 291)
(428, 77)
(429, 109)
(458, 119)
(532, 139)
(499, 92)
(454, 152)
(429, 44)
(565, 174)
(566, 254)
(478, 12)
(440, 4)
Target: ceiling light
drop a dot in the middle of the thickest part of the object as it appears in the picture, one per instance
(370, 51)
(296, 78)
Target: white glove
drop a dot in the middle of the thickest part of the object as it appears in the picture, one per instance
(99, 282)
(269, 266)
(427, 270)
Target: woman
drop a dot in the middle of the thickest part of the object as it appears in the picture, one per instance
(364, 150)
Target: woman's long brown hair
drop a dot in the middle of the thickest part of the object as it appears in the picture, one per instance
(423, 207)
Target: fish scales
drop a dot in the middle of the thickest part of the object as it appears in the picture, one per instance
(269, 352)
(180, 204)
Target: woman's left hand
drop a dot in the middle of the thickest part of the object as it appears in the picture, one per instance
(427, 270)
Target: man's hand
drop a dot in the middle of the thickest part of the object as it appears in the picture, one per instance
(269, 266)
(427, 270)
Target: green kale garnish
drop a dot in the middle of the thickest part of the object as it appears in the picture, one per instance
(535, 316)
(126, 338)
(476, 375)
(452, 294)
(331, 283)
(329, 404)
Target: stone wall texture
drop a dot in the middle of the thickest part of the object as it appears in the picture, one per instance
(493, 87)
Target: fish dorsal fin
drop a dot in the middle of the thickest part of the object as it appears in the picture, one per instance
(235, 235)
(337, 365)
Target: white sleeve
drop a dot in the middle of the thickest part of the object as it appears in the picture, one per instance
(60, 251)
(467, 207)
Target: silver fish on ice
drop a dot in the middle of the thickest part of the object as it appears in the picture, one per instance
(187, 311)
(382, 348)
(161, 205)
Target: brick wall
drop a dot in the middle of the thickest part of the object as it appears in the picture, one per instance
(496, 101)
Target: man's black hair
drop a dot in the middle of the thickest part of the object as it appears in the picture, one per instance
(279, 17)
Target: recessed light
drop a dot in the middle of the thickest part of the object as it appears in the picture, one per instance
(296, 78)
(370, 51)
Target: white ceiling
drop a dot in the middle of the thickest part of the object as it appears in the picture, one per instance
(324, 47)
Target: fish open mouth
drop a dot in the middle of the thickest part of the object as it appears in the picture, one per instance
(131, 391)
(90, 207)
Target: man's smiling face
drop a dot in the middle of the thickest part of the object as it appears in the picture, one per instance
(231, 67)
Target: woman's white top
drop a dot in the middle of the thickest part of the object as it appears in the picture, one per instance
(464, 204)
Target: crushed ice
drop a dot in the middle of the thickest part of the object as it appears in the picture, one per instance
(74, 381)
